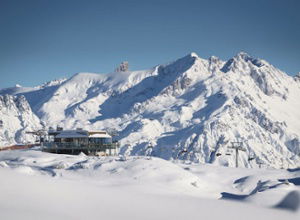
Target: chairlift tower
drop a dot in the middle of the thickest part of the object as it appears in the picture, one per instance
(39, 133)
(149, 151)
(183, 151)
(260, 163)
(238, 146)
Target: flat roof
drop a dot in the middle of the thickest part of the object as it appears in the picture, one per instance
(79, 134)
(72, 134)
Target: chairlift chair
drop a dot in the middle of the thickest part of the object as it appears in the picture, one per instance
(37, 140)
(228, 152)
(251, 157)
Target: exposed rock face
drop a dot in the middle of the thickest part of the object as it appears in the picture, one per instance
(123, 67)
(297, 77)
(16, 118)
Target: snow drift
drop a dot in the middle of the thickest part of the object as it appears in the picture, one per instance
(81, 187)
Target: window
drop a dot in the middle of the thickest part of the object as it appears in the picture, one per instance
(100, 140)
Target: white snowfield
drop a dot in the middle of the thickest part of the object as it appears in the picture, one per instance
(37, 185)
(191, 105)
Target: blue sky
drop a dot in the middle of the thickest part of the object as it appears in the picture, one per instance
(42, 40)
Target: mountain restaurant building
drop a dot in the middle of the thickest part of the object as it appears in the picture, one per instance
(76, 141)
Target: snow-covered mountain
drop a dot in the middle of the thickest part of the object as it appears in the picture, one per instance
(189, 109)
(16, 118)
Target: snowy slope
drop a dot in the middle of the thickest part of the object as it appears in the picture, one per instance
(190, 109)
(81, 187)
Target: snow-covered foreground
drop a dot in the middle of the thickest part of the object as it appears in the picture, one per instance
(37, 185)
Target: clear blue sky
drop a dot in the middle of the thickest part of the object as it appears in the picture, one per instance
(41, 40)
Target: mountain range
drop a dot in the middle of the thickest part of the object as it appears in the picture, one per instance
(190, 109)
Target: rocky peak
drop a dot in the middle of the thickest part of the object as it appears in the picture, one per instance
(123, 67)
(297, 77)
(214, 59)
(241, 60)
(193, 54)
(215, 63)
(243, 55)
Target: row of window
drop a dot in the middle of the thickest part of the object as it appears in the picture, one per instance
(100, 140)
(84, 140)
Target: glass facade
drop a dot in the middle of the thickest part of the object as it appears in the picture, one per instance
(100, 140)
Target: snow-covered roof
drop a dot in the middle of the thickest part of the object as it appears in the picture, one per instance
(100, 135)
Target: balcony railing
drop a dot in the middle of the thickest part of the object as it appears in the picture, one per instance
(79, 146)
